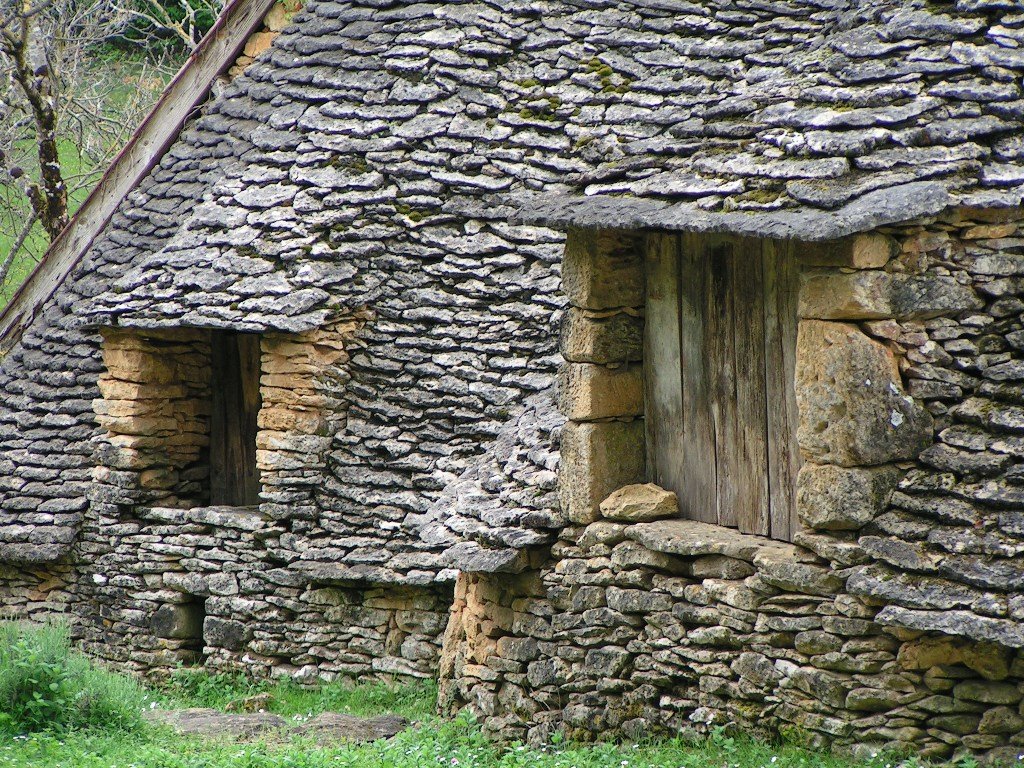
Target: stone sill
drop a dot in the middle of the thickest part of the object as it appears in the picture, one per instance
(341, 574)
(690, 538)
(240, 518)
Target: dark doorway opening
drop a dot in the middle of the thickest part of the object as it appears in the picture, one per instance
(235, 384)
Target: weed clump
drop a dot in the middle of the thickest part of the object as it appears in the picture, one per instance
(45, 685)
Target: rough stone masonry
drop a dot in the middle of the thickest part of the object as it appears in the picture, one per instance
(381, 197)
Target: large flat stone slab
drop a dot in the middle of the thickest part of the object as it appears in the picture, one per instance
(241, 726)
(327, 728)
(333, 727)
(690, 538)
(955, 622)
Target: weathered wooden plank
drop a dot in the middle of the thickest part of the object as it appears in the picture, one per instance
(249, 357)
(214, 55)
(662, 371)
(235, 367)
(222, 363)
(781, 279)
(746, 458)
(720, 358)
(700, 496)
(721, 408)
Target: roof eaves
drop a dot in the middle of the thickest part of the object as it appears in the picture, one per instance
(892, 205)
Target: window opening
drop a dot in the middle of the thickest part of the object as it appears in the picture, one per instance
(235, 385)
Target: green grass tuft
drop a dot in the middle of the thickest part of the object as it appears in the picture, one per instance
(45, 685)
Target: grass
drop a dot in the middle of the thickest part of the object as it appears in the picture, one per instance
(434, 743)
(189, 688)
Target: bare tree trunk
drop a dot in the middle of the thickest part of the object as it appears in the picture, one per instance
(57, 97)
(48, 196)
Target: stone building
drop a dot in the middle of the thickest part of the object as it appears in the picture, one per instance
(630, 366)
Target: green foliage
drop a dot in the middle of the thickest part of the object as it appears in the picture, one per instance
(153, 30)
(456, 743)
(45, 685)
(196, 688)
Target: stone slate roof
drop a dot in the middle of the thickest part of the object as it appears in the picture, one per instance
(808, 120)
(373, 157)
(729, 108)
(505, 502)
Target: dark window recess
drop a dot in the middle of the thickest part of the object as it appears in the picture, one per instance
(235, 381)
(719, 364)
(184, 623)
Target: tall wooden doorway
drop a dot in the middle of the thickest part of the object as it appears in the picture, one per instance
(721, 323)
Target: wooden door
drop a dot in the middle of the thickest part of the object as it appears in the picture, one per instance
(719, 365)
(235, 364)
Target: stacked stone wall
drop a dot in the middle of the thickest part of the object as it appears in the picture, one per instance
(37, 593)
(302, 386)
(946, 554)
(206, 585)
(678, 626)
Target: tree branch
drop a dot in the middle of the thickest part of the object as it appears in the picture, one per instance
(19, 243)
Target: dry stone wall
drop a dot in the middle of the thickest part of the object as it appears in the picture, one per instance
(49, 375)
(179, 582)
(203, 585)
(678, 626)
(946, 552)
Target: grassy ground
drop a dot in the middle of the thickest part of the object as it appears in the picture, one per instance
(432, 742)
(414, 701)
